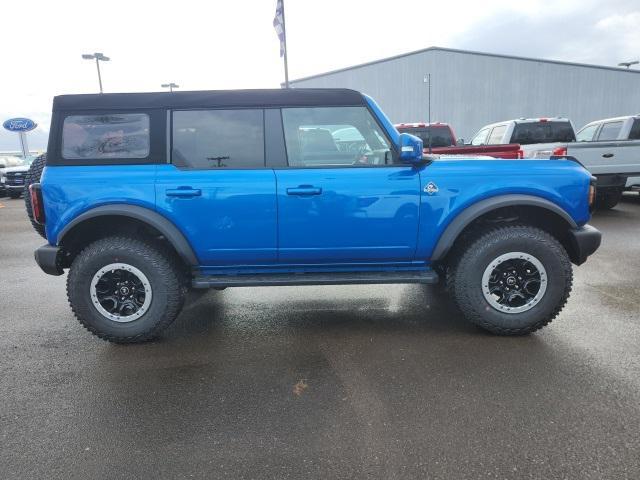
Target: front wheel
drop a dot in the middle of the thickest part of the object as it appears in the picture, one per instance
(511, 280)
(125, 290)
(15, 195)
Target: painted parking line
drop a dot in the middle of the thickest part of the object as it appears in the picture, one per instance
(1, 205)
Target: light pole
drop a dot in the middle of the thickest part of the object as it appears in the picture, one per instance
(99, 57)
(427, 80)
(628, 64)
(170, 86)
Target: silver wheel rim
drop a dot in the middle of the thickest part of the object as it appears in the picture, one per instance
(120, 292)
(514, 282)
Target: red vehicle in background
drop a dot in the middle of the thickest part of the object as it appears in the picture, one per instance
(444, 142)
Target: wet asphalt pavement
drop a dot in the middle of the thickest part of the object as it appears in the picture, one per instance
(323, 382)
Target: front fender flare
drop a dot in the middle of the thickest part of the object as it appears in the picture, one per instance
(472, 212)
(145, 215)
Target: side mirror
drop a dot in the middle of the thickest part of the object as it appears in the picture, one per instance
(460, 141)
(410, 149)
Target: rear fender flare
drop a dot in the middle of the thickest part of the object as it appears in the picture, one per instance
(144, 215)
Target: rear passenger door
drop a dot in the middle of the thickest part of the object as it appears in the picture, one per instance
(216, 187)
(341, 199)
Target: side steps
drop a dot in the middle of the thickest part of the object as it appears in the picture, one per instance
(314, 278)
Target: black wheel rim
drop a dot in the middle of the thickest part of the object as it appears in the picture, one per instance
(514, 282)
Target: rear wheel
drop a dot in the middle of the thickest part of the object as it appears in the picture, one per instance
(125, 290)
(511, 280)
(33, 176)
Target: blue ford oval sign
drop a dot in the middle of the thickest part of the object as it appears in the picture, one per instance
(19, 125)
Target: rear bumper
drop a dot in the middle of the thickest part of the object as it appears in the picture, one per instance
(585, 240)
(48, 259)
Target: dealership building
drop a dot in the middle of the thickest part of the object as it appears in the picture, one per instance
(472, 89)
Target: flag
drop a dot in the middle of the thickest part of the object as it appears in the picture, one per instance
(278, 24)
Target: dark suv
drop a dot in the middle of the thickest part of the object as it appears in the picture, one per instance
(146, 195)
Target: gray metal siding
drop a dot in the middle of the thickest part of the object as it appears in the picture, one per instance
(470, 90)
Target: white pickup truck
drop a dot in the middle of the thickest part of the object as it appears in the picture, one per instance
(609, 149)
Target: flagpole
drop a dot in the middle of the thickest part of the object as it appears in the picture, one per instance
(284, 38)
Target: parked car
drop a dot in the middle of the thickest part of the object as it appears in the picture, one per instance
(441, 133)
(526, 131)
(145, 195)
(610, 150)
(444, 142)
(13, 178)
(7, 162)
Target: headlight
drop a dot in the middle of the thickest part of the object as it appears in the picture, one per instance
(2, 179)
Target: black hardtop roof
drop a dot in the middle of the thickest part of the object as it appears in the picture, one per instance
(293, 97)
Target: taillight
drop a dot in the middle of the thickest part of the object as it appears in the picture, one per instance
(520, 153)
(592, 193)
(36, 203)
(560, 151)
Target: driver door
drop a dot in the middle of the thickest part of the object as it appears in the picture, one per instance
(342, 200)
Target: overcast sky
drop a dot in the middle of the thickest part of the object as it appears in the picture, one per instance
(218, 44)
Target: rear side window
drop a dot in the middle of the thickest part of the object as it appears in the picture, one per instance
(587, 133)
(333, 136)
(440, 136)
(104, 136)
(212, 139)
(480, 137)
(634, 134)
(542, 132)
(610, 131)
(496, 135)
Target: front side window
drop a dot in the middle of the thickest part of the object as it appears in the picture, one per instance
(211, 139)
(480, 137)
(610, 131)
(587, 133)
(112, 135)
(496, 135)
(333, 136)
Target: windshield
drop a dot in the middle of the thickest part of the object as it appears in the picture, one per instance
(542, 132)
(440, 135)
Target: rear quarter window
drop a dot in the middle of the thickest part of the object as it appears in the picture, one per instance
(542, 132)
(106, 136)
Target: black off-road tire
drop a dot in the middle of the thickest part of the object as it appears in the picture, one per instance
(464, 277)
(33, 176)
(14, 195)
(165, 275)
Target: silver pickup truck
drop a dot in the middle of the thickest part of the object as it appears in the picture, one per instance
(609, 149)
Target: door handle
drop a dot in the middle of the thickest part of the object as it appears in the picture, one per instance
(183, 192)
(304, 190)
(607, 155)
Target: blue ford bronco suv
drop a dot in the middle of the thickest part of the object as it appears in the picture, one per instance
(147, 195)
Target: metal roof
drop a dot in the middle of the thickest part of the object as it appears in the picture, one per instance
(465, 52)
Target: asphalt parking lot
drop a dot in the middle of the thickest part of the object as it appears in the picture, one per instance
(323, 382)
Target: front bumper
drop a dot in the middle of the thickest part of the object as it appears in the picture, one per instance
(584, 240)
(48, 259)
